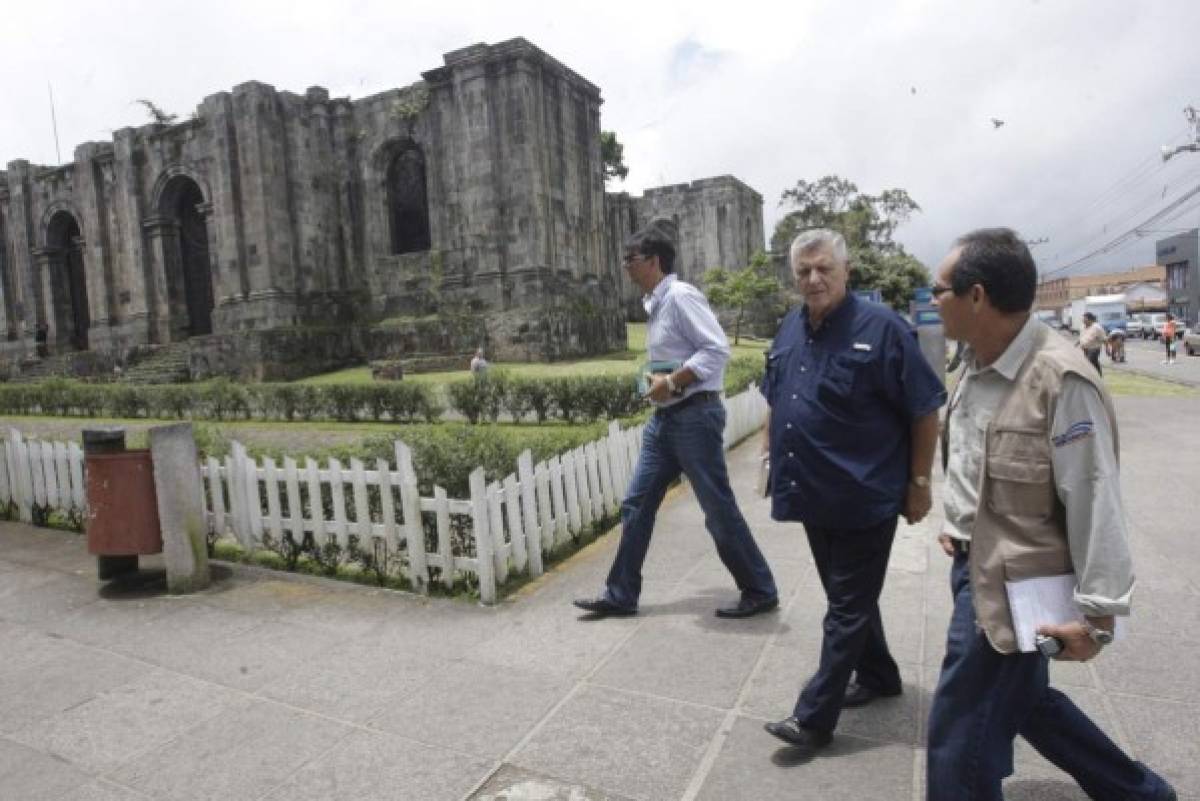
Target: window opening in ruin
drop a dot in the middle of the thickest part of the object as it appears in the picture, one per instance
(408, 202)
(6, 284)
(68, 281)
(194, 258)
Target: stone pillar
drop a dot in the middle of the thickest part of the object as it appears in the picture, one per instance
(160, 235)
(180, 490)
(45, 314)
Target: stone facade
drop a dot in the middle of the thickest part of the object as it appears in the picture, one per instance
(274, 234)
(719, 219)
(477, 191)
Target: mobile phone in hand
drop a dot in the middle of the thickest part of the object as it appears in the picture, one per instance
(1049, 646)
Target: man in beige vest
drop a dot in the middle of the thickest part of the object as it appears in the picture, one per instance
(1032, 489)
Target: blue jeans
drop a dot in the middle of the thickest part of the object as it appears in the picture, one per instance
(985, 698)
(689, 441)
(852, 564)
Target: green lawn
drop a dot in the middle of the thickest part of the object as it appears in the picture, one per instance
(621, 362)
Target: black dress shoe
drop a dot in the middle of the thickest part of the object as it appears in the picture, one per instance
(748, 607)
(602, 607)
(858, 695)
(791, 732)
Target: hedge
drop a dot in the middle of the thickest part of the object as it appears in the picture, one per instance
(573, 399)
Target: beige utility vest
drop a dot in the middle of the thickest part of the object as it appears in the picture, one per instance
(1020, 526)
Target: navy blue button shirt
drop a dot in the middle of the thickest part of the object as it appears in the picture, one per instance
(842, 400)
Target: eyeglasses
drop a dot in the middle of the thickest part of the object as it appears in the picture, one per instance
(633, 258)
(937, 291)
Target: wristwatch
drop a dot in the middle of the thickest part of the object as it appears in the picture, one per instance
(1099, 636)
(920, 481)
(673, 387)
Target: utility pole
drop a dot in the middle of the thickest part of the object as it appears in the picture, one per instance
(1193, 118)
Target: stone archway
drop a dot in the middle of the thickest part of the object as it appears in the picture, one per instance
(188, 266)
(67, 279)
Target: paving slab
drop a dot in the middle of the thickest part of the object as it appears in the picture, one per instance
(753, 764)
(242, 753)
(373, 766)
(636, 745)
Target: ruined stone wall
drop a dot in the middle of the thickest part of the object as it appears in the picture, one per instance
(720, 224)
(293, 196)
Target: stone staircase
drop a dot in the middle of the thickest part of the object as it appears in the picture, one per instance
(165, 364)
(50, 367)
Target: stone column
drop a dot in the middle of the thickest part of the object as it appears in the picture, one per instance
(160, 233)
(45, 262)
(180, 491)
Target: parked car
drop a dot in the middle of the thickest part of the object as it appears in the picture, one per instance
(1191, 341)
(1133, 326)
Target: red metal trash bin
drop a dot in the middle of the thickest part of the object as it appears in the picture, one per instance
(122, 504)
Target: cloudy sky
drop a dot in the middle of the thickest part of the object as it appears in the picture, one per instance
(886, 94)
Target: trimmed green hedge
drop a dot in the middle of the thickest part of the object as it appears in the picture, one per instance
(573, 399)
(225, 400)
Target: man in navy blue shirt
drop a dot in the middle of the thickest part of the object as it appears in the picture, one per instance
(852, 435)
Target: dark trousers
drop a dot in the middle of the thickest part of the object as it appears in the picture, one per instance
(1093, 356)
(985, 698)
(688, 440)
(852, 564)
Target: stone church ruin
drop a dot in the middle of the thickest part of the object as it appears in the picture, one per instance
(274, 235)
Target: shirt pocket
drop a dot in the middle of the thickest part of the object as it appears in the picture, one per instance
(844, 374)
(1020, 487)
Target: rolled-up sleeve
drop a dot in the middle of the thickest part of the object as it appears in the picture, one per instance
(1087, 478)
(698, 325)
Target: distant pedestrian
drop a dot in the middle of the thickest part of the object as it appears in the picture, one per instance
(479, 365)
(1092, 340)
(1169, 339)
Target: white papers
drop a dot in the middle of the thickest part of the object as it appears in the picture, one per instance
(762, 484)
(1041, 601)
(1044, 601)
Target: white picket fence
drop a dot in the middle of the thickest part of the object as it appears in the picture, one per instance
(503, 527)
(36, 476)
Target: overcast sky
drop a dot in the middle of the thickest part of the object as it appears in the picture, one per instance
(886, 94)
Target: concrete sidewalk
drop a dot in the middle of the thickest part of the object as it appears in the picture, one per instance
(272, 687)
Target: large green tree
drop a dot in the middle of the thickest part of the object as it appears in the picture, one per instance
(741, 289)
(868, 222)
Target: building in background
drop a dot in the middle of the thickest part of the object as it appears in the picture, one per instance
(1056, 294)
(1180, 257)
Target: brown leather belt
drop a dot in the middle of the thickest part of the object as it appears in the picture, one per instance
(691, 400)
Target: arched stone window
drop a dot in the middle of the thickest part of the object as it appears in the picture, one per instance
(408, 202)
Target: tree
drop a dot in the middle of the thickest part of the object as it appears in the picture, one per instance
(741, 289)
(612, 156)
(868, 222)
(159, 116)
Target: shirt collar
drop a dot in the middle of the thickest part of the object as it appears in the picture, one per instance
(651, 301)
(844, 310)
(1014, 355)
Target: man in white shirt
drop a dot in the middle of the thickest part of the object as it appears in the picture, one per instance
(684, 435)
(1092, 340)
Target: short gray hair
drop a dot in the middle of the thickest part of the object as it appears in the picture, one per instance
(810, 240)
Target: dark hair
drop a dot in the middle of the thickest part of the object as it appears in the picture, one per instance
(657, 238)
(1089, 316)
(997, 260)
